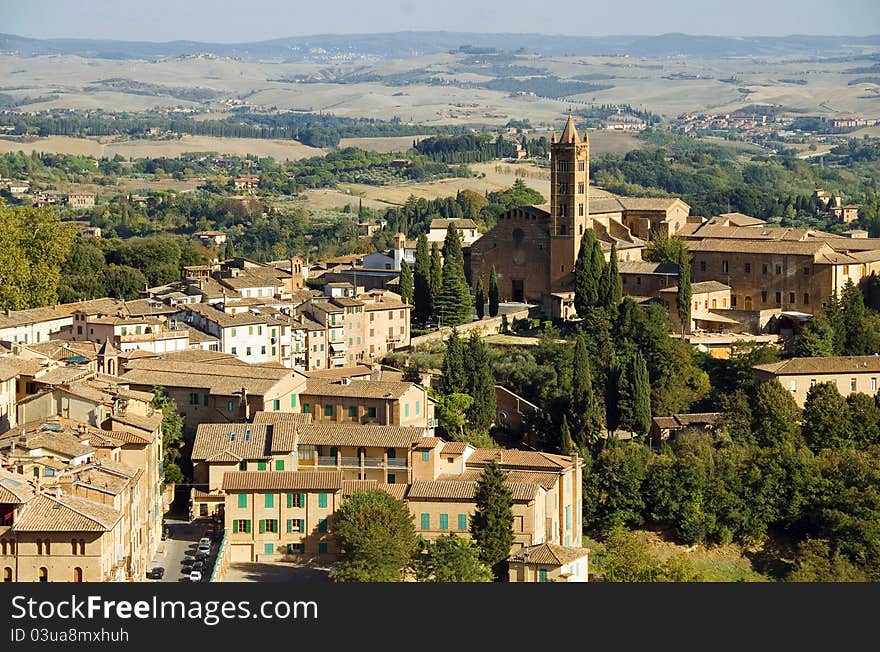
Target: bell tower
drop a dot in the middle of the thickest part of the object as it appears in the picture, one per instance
(569, 203)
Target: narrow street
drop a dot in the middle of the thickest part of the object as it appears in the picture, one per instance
(175, 554)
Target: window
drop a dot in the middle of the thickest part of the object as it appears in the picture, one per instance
(778, 297)
(44, 574)
(261, 466)
(764, 268)
(748, 268)
(293, 400)
(242, 466)
(580, 183)
(328, 410)
(392, 478)
(873, 384)
(846, 270)
(263, 349)
(242, 498)
(562, 166)
(733, 301)
(580, 210)
(581, 166)
(542, 575)
(279, 465)
(792, 385)
(702, 265)
(296, 500)
(352, 411)
(812, 382)
(241, 525)
(426, 522)
(806, 298)
(232, 331)
(418, 406)
(322, 548)
(724, 267)
(274, 351)
(7, 574)
(193, 398)
(568, 517)
(268, 548)
(371, 412)
(322, 525)
(234, 351)
(250, 330)
(444, 521)
(322, 501)
(406, 410)
(269, 525)
(852, 384)
(230, 406)
(79, 331)
(779, 269)
(247, 350)
(462, 522)
(294, 525)
(307, 409)
(791, 297)
(276, 404)
(806, 271)
(426, 456)
(763, 296)
(259, 330)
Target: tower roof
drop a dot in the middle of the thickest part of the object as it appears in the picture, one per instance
(108, 349)
(569, 134)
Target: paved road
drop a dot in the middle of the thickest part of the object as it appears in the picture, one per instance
(280, 572)
(180, 546)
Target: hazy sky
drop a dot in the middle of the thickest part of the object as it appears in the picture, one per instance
(253, 20)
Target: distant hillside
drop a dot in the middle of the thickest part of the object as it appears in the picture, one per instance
(408, 44)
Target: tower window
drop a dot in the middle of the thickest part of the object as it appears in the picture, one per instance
(581, 186)
(562, 166)
(581, 166)
(563, 230)
(563, 188)
(580, 210)
(562, 211)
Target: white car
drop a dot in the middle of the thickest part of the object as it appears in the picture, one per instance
(205, 541)
(195, 576)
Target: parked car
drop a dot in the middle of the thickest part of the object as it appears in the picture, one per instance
(156, 573)
(195, 576)
(201, 555)
(198, 566)
(204, 541)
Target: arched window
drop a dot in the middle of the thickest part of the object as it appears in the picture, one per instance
(44, 574)
(392, 453)
(77, 574)
(7, 574)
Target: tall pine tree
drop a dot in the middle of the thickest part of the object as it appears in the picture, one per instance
(493, 293)
(683, 300)
(436, 277)
(423, 307)
(612, 287)
(453, 379)
(454, 305)
(635, 396)
(492, 522)
(588, 274)
(587, 415)
(480, 298)
(406, 283)
(480, 385)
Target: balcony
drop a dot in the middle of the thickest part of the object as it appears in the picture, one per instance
(327, 460)
(373, 462)
(397, 463)
(351, 461)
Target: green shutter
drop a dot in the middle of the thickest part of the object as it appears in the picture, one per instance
(262, 526)
(542, 575)
(242, 500)
(247, 526)
(261, 466)
(279, 465)
(289, 501)
(293, 400)
(462, 522)
(322, 500)
(426, 521)
(322, 525)
(289, 524)
(270, 500)
(444, 521)
(302, 500)
(426, 456)
(269, 548)
(234, 527)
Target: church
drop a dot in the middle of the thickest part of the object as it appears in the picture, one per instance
(534, 248)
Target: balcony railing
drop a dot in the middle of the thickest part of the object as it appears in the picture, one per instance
(373, 462)
(327, 460)
(351, 461)
(400, 463)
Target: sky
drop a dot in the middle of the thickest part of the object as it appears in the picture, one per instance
(238, 21)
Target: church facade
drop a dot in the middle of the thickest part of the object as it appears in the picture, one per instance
(534, 249)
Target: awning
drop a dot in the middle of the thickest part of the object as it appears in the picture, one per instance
(714, 318)
(338, 347)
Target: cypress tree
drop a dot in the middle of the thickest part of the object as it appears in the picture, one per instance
(565, 443)
(493, 293)
(612, 394)
(228, 249)
(480, 299)
(480, 385)
(406, 283)
(454, 303)
(614, 282)
(588, 274)
(683, 301)
(436, 277)
(587, 415)
(422, 280)
(492, 522)
(635, 396)
(453, 379)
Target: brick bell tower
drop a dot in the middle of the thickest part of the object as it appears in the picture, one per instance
(569, 203)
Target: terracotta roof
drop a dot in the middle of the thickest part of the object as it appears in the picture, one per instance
(11, 366)
(646, 268)
(62, 441)
(147, 424)
(294, 418)
(548, 554)
(463, 223)
(508, 458)
(48, 513)
(829, 365)
(464, 490)
(223, 319)
(797, 248)
(61, 311)
(219, 378)
(736, 219)
(14, 488)
(216, 442)
(701, 287)
(356, 388)
(679, 421)
(343, 434)
(428, 442)
(454, 448)
(111, 478)
(398, 490)
(281, 480)
(341, 372)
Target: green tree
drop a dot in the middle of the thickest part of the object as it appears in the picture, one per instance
(422, 292)
(453, 379)
(452, 414)
(735, 418)
(663, 248)
(864, 419)
(826, 418)
(454, 304)
(480, 384)
(816, 339)
(587, 414)
(228, 249)
(375, 536)
(436, 278)
(611, 287)
(450, 559)
(406, 283)
(627, 558)
(493, 293)
(123, 282)
(172, 435)
(566, 445)
(588, 273)
(480, 298)
(683, 299)
(492, 523)
(776, 415)
(816, 561)
(635, 396)
(860, 334)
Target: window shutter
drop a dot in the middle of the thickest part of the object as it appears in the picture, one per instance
(247, 525)
(289, 524)
(242, 500)
(322, 500)
(426, 521)
(462, 522)
(289, 501)
(262, 526)
(234, 527)
(322, 525)
(302, 500)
